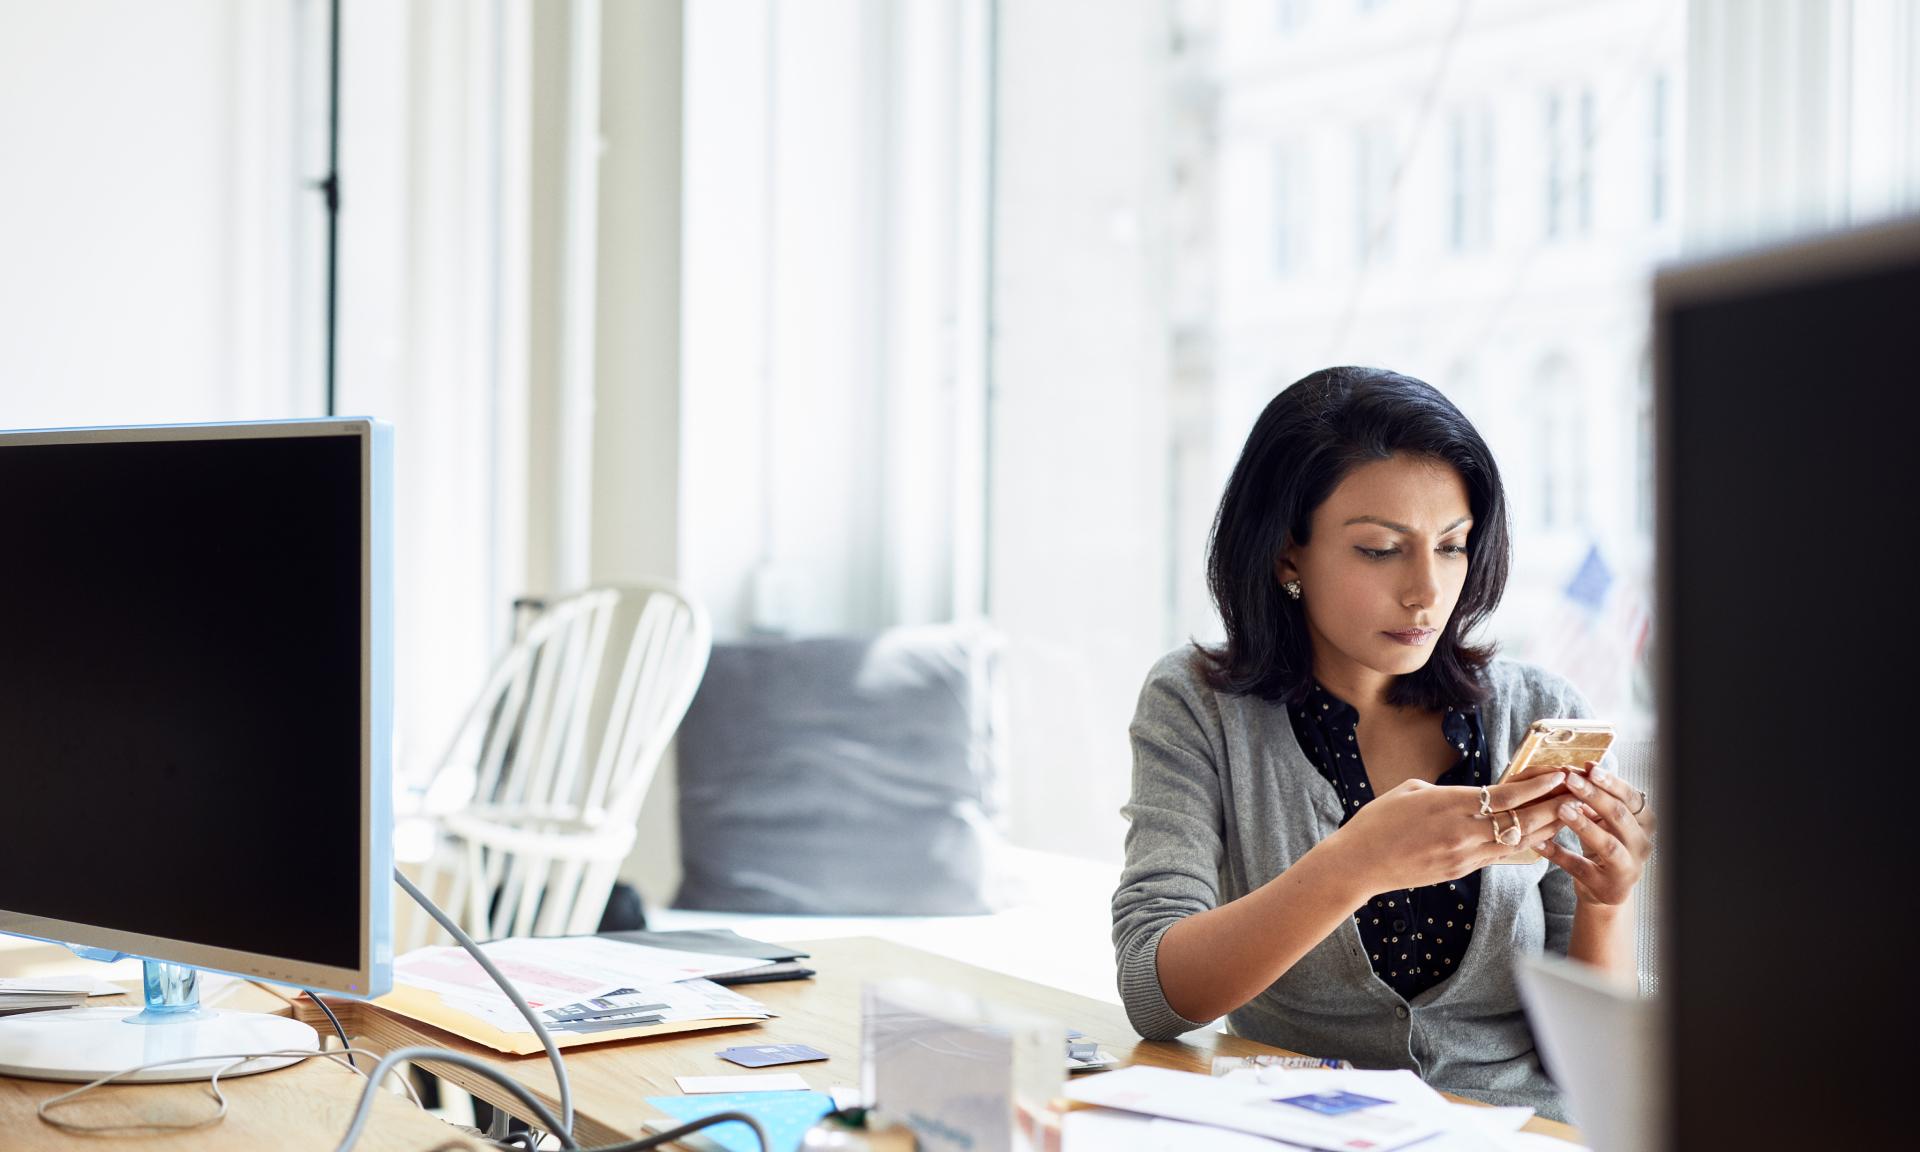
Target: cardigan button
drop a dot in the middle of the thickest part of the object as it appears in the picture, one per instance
(1400, 1010)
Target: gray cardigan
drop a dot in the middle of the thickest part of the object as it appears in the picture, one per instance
(1224, 800)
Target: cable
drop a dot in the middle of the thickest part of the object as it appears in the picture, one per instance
(337, 1030)
(563, 1129)
(687, 1129)
(236, 1059)
(423, 1055)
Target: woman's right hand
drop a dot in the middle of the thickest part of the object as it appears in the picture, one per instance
(1419, 833)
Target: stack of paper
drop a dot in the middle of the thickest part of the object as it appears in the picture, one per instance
(1332, 1109)
(41, 993)
(30, 1000)
(585, 988)
(773, 961)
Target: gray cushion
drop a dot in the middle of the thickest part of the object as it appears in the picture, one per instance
(841, 776)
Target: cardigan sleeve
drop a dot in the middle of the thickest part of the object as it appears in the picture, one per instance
(1175, 843)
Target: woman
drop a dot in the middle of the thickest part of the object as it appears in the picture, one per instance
(1307, 852)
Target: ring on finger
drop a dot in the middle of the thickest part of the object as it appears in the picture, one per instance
(1486, 801)
(1510, 835)
(1642, 807)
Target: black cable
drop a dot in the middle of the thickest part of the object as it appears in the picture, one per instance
(337, 1030)
(687, 1129)
(564, 1128)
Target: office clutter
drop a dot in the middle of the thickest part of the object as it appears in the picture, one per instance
(859, 1130)
(1141, 1108)
(41, 993)
(965, 1074)
(1084, 1055)
(769, 1055)
(843, 776)
(777, 961)
(786, 1116)
(587, 989)
(18, 996)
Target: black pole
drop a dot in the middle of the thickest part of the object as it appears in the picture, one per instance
(331, 187)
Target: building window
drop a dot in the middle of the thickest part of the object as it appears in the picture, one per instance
(1289, 210)
(1585, 152)
(1469, 179)
(1559, 447)
(1569, 141)
(1556, 165)
(1373, 193)
(1657, 150)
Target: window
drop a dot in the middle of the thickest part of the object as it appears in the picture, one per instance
(1374, 161)
(1559, 449)
(1289, 210)
(1290, 16)
(1119, 407)
(1569, 149)
(1585, 152)
(1657, 149)
(1556, 165)
(1469, 179)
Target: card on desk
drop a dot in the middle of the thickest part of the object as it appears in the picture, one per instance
(766, 1055)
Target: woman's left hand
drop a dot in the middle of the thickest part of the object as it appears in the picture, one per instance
(1615, 838)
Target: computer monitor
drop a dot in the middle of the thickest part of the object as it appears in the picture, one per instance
(1788, 401)
(195, 720)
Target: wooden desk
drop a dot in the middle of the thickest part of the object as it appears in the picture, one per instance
(306, 1106)
(610, 1080)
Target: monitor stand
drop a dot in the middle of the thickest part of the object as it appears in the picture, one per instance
(86, 1044)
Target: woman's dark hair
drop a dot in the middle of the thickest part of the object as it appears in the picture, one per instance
(1309, 438)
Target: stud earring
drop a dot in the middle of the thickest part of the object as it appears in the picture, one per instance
(1291, 588)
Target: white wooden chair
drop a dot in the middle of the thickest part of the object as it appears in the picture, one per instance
(535, 802)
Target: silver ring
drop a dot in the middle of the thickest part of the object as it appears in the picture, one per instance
(1643, 802)
(1486, 801)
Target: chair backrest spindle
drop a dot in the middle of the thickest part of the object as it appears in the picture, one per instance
(561, 753)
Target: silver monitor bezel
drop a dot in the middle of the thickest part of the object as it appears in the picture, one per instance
(371, 975)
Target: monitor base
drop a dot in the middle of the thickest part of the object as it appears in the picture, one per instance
(85, 1044)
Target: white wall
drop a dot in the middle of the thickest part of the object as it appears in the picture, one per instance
(145, 234)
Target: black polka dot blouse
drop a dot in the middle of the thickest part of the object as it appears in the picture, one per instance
(1415, 937)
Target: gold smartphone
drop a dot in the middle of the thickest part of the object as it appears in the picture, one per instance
(1551, 746)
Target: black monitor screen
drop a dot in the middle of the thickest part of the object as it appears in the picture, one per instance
(180, 690)
(1790, 406)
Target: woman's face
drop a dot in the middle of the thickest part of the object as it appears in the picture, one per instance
(1384, 568)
